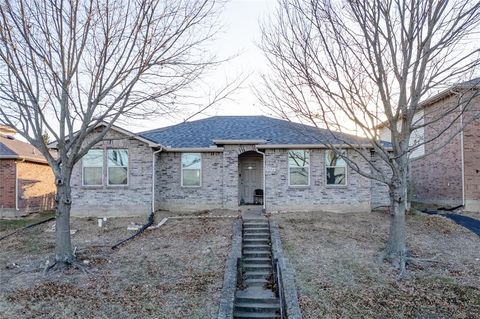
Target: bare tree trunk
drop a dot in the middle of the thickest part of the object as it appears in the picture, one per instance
(396, 249)
(63, 245)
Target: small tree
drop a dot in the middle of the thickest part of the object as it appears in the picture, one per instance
(350, 65)
(66, 66)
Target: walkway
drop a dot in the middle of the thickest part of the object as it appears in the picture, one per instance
(254, 297)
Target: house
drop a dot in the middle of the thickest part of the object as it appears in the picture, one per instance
(27, 183)
(446, 170)
(222, 162)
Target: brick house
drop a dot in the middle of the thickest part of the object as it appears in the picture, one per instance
(221, 162)
(446, 170)
(26, 181)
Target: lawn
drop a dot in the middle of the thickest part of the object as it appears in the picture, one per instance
(338, 274)
(175, 271)
(16, 223)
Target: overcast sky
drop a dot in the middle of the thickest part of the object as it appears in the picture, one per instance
(239, 37)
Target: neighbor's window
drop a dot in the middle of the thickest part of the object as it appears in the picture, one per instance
(191, 169)
(92, 164)
(336, 168)
(117, 167)
(299, 168)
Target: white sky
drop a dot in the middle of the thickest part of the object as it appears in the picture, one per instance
(239, 37)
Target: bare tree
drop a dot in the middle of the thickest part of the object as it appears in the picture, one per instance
(346, 65)
(67, 65)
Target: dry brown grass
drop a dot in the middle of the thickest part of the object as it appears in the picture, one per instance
(175, 271)
(339, 276)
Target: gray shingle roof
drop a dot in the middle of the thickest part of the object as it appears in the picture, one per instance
(201, 133)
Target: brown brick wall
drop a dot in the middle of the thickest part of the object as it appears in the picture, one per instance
(36, 184)
(471, 144)
(437, 178)
(7, 184)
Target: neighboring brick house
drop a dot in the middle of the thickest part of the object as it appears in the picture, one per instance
(26, 181)
(221, 162)
(446, 170)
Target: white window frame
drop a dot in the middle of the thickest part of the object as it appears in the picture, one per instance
(289, 167)
(328, 166)
(102, 166)
(182, 169)
(128, 168)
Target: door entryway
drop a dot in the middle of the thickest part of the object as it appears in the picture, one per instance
(250, 178)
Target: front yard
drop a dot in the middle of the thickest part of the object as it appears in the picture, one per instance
(338, 274)
(175, 271)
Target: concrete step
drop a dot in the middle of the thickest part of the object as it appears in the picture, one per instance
(262, 254)
(257, 267)
(262, 315)
(256, 282)
(256, 261)
(254, 225)
(257, 236)
(258, 307)
(254, 300)
(256, 247)
(264, 241)
(262, 230)
(256, 274)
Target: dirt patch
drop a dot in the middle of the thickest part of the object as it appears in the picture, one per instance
(175, 271)
(339, 276)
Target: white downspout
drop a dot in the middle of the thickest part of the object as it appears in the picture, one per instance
(264, 181)
(462, 150)
(154, 177)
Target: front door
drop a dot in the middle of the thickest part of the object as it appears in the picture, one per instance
(250, 179)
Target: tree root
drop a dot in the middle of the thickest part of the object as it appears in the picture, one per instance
(62, 266)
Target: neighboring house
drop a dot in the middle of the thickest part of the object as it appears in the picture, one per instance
(27, 183)
(222, 162)
(446, 175)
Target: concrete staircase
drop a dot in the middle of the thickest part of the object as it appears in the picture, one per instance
(256, 299)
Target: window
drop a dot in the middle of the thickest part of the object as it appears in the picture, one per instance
(191, 169)
(336, 168)
(93, 168)
(298, 168)
(117, 167)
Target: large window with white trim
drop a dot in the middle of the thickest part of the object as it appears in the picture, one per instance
(298, 168)
(191, 169)
(336, 167)
(92, 168)
(117, 163)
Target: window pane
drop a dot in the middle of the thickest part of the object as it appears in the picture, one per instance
(191, 177)
(92, 176)
(298, 158)
(336, 176)
(94, 158)
(334, 160)
(191, 161)
(117, 176)
(298, 176)
(117, 158)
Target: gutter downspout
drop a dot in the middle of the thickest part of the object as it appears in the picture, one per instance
(154, 177)
(462, 154)
(264, 181)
